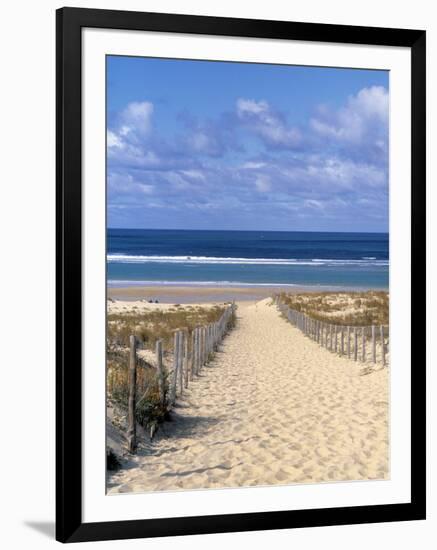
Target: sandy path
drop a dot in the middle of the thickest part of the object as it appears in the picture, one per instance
(272, 408)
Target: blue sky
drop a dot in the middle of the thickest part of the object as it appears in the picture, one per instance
(216, 145)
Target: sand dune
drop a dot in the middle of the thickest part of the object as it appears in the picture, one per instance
(272, 408)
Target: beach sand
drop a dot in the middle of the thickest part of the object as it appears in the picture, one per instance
(140, 306)
(273, 407)
(192, 294)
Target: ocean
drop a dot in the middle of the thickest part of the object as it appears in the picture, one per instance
(246, 258)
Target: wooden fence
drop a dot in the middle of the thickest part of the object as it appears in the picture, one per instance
(190, 354)
(365, 343)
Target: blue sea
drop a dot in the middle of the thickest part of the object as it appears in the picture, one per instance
(344, 260)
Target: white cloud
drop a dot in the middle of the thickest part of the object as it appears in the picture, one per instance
(314, 204)
(113, 140)
(124, 184)
(253, 165)
(251, 106)
(333, 174)
(134, 125)
(363, 121)
(263, 183)
(259, 117)
(194, 174)
(136, 118)
(200, 142)
(146, 188)
(371, 102)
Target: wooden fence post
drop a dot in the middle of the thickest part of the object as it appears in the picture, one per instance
(355, 344)
(181, 360)
(186, 357)
(193, 353)
(206, 344)
(197, 350)
(160, 371)
(382, 345)
(202, 346)
(132, 423)
(327, 335)
(175, 367)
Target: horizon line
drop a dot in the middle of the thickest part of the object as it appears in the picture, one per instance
(246, 230)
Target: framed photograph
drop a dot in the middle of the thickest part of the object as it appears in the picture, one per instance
(240, 274)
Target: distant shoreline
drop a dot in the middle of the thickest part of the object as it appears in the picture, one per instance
(191, 293)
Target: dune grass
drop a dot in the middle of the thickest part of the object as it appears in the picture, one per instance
(154, 325)
(342, 308)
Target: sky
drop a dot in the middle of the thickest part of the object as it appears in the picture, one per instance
(244, 146)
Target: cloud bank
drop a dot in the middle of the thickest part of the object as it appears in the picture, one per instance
(250, 168)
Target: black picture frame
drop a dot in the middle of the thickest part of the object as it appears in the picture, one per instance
(69, 525)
